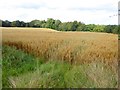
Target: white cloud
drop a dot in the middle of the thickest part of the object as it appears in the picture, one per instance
(87, 11)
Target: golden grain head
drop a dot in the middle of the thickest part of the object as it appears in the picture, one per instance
(80, 47)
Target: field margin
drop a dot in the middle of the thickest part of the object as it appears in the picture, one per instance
(0, 55)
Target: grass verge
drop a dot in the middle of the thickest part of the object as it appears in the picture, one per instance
(21, 70)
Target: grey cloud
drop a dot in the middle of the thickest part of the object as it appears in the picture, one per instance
(93, 9)
(31, 5)
(105, 7)
(35, 6)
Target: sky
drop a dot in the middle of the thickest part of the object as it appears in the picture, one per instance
(86, 11)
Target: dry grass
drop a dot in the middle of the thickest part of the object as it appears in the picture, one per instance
(74, 47)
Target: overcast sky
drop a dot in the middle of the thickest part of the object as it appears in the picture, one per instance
(87, 11)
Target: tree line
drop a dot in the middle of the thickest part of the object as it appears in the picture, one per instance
(63, 26)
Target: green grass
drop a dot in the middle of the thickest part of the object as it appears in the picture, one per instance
(0, 72)
(21, 70)
(16, 62)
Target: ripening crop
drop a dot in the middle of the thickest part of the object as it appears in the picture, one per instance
(73, 47)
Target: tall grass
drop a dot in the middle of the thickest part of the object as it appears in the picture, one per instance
(0, 73)
(21, 70)
(15, 63)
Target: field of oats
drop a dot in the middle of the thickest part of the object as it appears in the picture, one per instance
(74, 59)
